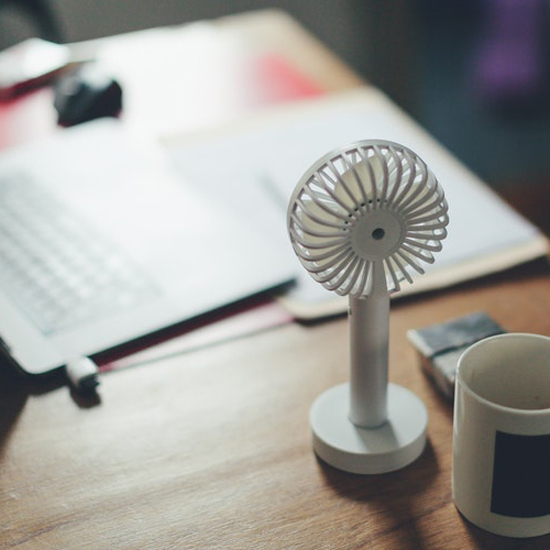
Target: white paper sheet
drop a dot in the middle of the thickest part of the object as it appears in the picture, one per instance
(254, 169)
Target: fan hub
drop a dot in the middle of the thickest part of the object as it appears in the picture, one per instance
(377, 234)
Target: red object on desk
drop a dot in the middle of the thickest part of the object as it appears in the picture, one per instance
(27, 117)
(275, 80)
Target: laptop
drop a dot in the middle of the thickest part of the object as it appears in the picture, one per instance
(102, 244)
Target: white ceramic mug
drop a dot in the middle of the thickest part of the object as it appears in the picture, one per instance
(501, 435)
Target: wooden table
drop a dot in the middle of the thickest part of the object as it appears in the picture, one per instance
(211, 448)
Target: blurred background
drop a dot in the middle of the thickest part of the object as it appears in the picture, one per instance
(474, 73)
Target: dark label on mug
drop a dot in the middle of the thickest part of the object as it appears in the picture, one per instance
(521, 478)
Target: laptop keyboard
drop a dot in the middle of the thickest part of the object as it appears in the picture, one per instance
(59, 271)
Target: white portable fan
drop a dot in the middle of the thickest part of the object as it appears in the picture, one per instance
(360, 220)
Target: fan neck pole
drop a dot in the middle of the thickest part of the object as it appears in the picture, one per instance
(369, 338)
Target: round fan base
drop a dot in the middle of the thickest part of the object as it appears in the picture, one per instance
(392, 446)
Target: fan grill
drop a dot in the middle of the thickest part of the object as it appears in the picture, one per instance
(371, 203)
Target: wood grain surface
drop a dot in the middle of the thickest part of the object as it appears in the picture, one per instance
(211, 449)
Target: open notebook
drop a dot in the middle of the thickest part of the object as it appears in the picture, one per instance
(100, 245)
(266, 157)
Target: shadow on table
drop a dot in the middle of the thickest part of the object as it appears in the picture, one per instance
(395, 498)
(13, 395)
(16, 388)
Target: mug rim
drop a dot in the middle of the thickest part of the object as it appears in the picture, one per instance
(487, 402)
